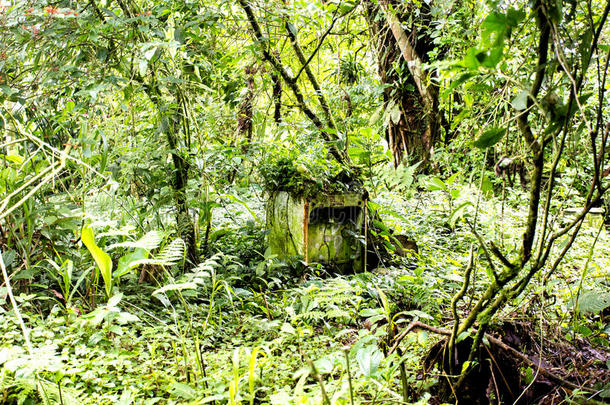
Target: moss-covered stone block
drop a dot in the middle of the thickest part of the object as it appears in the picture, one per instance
(326, 229)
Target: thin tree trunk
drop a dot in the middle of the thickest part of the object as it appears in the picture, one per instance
(277, 98)
(312, 78)
(245, 114)
(170, 124)
(170, 127)
(244, 117)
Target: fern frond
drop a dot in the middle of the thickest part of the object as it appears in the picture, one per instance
(337, 314)
(312, 315)
(592, 302)
(124, 231)
(69, 395)
(150, 241)
(171, 254)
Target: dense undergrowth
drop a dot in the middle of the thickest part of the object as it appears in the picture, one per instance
(140, 141)
(239, 328)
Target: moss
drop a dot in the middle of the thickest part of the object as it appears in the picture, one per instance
(329, 240)
(284, 175)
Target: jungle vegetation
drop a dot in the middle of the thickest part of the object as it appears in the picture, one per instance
(143, 140)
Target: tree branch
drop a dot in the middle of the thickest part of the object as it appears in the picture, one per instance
(291, 82)
(291, 30)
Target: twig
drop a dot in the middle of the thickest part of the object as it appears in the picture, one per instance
(416, 325)
(9, 291)
(291, 30)
(543, 371)
(322, 38)
(349, 378)
(318, 377)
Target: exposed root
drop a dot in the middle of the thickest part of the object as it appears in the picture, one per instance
(499, 364)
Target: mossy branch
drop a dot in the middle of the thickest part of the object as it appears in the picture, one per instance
(456, 318)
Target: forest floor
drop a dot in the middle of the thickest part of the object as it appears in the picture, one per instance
(243, 329)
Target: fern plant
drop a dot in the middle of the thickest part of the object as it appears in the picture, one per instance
(337, 299)
(141, 254)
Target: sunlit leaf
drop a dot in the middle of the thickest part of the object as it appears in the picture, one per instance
(103, 261)
(489, 138)
(369, 358)
(519, 102)
(592, 302)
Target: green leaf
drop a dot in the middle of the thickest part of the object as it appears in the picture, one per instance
(470, 60)
(114, 301)
(104, 262)
(130, 261)
(375, 318)
(493, 30)
(347, 6)
(434, 184)
(293, 30)
(369, 358)
(237, 200)
(175, 287)
(104, 159)
(487, 186)
(13, 158)
(458, 213)
(606, 391)
(168, 256)
(324, 365)
(491, 57)
(384, 302)
(462, 336)
(604, 47)
(252, 370)
(592, 302)
(463, 78)
(116, 329)
(452, 179)
(519, 103)
(529, 375)
(489, 138)
(554, 11)
(179, 35)
(125, 317)
(10, 92)
(183, 391)
(148, 54)
(585, 48)
(288, 329)
(151, 240)
(142, 67)
(514, 17)
(367, 312)
(466, 366)
(395, 114)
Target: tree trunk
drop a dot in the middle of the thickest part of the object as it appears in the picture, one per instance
(170, 124)
(414, 127)
(170, 120)
(245, 114)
